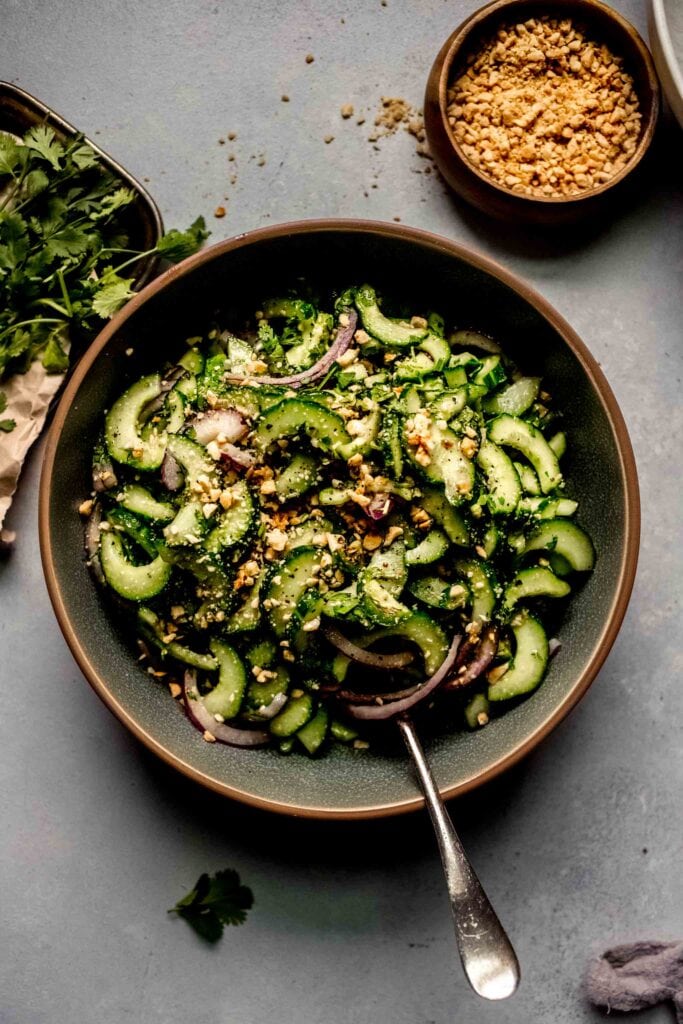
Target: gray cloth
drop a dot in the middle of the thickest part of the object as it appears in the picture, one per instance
(638, 975)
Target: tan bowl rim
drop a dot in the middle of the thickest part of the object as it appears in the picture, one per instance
(456, 45)
(589, 365)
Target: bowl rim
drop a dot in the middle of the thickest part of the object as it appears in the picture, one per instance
(590, 367)
(456, 43)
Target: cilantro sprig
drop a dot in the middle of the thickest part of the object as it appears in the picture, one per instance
(64, 252)
(214, 902)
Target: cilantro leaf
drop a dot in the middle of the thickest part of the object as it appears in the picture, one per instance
(7, 426)
(13, 240)
(177, 245)
(3, 401)
(215, 902)
(121, 197)
(83, 156)
(112, 292)
(67, 242)
(55, 359)
(43, 141)
(10, 154)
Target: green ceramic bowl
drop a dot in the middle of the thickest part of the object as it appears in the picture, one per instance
(234, 276)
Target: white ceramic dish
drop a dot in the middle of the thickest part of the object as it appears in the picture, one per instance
(665, 26)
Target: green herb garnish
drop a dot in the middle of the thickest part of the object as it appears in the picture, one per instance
(214, 902)
(63, 248)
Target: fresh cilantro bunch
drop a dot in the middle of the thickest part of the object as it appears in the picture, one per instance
(215, 902)
(63, 249)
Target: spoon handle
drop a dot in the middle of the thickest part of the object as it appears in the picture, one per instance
(488, 959)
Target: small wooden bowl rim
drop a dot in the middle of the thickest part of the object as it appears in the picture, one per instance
(457, 44)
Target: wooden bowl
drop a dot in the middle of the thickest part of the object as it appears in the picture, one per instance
(606, 25)
(227, 280)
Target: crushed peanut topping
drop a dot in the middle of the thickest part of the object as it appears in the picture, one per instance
(544, 110)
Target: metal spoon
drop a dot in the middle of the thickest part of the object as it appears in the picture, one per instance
(487, 956)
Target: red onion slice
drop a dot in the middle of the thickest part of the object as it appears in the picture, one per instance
(205, 722)
(474, 658)
(171, 473)
(380, 506)
(381, 712)
(167, 385)
(103, 475)
(340, 344)
(209, 425)
(270, 710)
(92, 543)
(240, 458)
(363, 657)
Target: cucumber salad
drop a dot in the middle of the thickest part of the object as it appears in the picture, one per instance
(322, 519)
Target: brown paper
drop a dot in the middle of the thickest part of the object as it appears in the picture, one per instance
(28, 399)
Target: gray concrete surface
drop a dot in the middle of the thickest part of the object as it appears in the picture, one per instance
(581, 845)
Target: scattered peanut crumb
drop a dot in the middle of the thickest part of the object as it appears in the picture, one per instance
(232, 135)
(85, 508)
(309, 58)
(284, 98)
(175, 690)
(219, 212)
(209, 737)
(328, 139)
(347, 111)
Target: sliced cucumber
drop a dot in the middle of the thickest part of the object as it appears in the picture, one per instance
(395, 335)
(342, 732)
(292, 416)
(504, 488)
(260, 695)
(151, 626)
(482, 584)
(534, 582)
(491, 374)
(174, 411)
(313, 734)
(529, 663)
(449, 519)
(137, 529)
(236, 522)
(439, 593)
(477, 711)
(433, 355)
(390, 441)
(431, 549)
(296, 478)
(290, 579)
(566, 539)
(123, 429)
(188, 527)
(388, 567)
(490, 539)
(226, 697)
(514, 399)
(448, 404)
(196, 463)
(447, 464)
(429, 637)
(138, 499)
(527, 478)
(247, 617)
(303, 354)
(558, 443)
(262, 654)
(295, 714)
(379, 605)
(192, 360)
(364, 438)
(548, 508)
(134, 582)
(512, 432)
